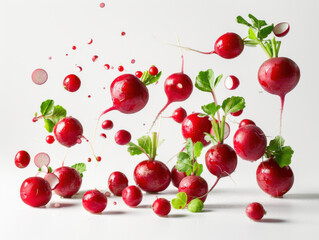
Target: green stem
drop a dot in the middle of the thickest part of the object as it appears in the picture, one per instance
(216, 129)
(278, 47)
(154, 145)
(222, 129)
(264, 48)
(274, 49)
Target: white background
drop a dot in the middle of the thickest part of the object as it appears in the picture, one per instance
(33, 30)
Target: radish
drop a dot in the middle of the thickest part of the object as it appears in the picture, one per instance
(246, 122)
(35, 192)
(94, 201)
(71, 83)
(221, 160)
(42, 159)
(153, 70)
(70, 181)
(236, 114)
(277, 75)
(161, 207)
(194, 127)
(138, 74)
(274, 176)
(177, 176)
(281, 29)
(179, 115)
(194, 187)
(39, 76)
(107, 125)
(22, 159)
(231, 82)
(50, 139)
(117, 182)
(250, 142)
(132, 196)
(52, 179)
(122, 137)
(150, 175)
(68, 131)
(255, 211)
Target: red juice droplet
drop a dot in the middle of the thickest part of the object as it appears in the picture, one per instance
(106, 66)
(50, 58)
(104, 88)
(90, 41)
(121, 68)
(79, 141)
(98, 158)
(74, 47)
(114, 203)
(103, 135)
(123, 33)
(89, 96)
(107, 194)
(102, 5)
(89, 159)
(66, 54)
(112, 67)
(133, 61)
(94, 58)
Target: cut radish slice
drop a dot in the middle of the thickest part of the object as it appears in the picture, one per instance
(39, 76)
(52, 179)
(226, 132)
(231, 82)
(281, 29)
(41, 159)
(90, 41)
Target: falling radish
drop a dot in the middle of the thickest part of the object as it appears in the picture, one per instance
(22, 159)
(277, 75)
(71, 83)
(231, 82)
(179, 115)
(42, 159)
(117, 182)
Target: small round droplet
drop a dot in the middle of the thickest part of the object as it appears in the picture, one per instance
(89, 159)
(39, 76)
(79, 141)
(102, 5)
(123, 33)
(89, 96)
(114, 203)
(133, 61)
(73, 47)
(66, 54)
(103, 135)
(121, 68)
(107, 194)
(50, 58)
(94, 58)
(107, 66)
(98, 158)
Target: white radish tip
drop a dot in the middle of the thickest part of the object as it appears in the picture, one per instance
(39, 76)
(281, 29)
(231, 82)
(52, 179)
(42, 159)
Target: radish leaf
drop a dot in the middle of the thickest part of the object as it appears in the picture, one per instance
(184, 163)
(47, 107)
(80, 167)
(210, 138)
(180, 201)
(133, 149)
(198, 146)
(263, 33)
(282, 154)
(205, 80)
(196, 205)
(211, 109)
(233, 104)
(145, 142)
(241, 20)
(251, 34)
(149, 79)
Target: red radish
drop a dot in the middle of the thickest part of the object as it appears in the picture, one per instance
(273, 179)
(179, 115)
(73, 47)
(120, 68)
(231, 82)
(177, 176)
(103, 135)
(129, 94)
(68, 131)
(226, 130)
(138, 74)
(90, 41)
(107, 125)
(255, 211)
(194, 186)
(98, 158)
(72, 83)
(117, 182)
(22, 159)
(39, 76)
(42, 159)
(153, 71)
(35, 191)
(236, 114)
(94, 201)
(194, 127)
(107, 66)
(221, 160)
(250, 142)
(94, 58)
(132, 196)
(152, 176)
(52, 179)
(50, 139)
(246, 122)
(281, 29)
(279, 76)
(122, 137)
(70, 181)
(161, 207)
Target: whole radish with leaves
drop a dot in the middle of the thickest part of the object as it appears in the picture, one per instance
(274, 176)
(193, 185)
(150, 175)
(277, 75)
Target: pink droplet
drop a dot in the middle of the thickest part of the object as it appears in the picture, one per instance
(103, 135)
(104, 88)
(108, 194)
(50, 58)
(114, 203)
(74, 47)
(94, 58)
(79, 68)
(66, 54)
(79, 141)
(89, 96)
(112, 67)
(90, 41)
(123, 33)
(133, 61)
(102, 5)
(106, 66)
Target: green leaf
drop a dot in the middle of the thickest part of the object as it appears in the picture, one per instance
(59, 112)
(145, 142)
(47, 107)
(263, 33)
(133, 149)
(196, 205)
(210, 109)
(205, 80)
(217, 80)
(257, 23)
(50, 169)
(149, 79)
(241, 20)
(80, 167)
(233, 104)
(251, 34)
(184, 163)
(282, 154)
(198, 146)
(283, 158)
(276, 144)
(199, 170)
(189, 146)
(251, 43)
(210, 138)
(180, 201)
(49, 125)
(202, 115)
